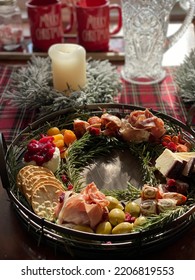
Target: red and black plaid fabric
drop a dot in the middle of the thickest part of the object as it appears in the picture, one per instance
(12, 119)
(162, 97)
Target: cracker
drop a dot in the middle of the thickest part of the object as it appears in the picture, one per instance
(27, 171)
(41, 188)
(45, 199)
(43, 180)
(30, 183)
(20, 176)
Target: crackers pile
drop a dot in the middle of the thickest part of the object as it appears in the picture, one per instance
(41, 189)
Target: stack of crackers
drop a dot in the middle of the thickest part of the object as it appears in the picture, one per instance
(41, 189)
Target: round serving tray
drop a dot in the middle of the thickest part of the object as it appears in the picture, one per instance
(81, 244)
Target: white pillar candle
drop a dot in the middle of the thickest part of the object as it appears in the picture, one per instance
(68, 66)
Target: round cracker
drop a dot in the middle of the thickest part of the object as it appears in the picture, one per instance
(32, 177)
(20, 175)
(32, 182)
(44, 200)
(33, 168)
(39, 180)
(27, 171)
(43, 180)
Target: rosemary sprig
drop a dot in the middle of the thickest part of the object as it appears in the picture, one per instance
(146, 152)
(129, 193)
(84, 151)
(163, 218)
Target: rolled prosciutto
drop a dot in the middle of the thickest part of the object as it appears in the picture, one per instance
(165, 204)
(148, 207)
(85, 208)
(179, 198)
(149, 192)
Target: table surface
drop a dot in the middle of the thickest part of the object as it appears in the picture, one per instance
(15, 241)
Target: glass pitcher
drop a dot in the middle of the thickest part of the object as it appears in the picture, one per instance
(145, 24)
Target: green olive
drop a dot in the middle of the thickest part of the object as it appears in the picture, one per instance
(132, 208)
(104, 228)
(83, 228)
(116, 216)
(113, 202)
(124, 227)
(119, 206)
(140, 221)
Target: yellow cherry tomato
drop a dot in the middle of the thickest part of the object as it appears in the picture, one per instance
(69, 137)
(53, 131)
(62, 131)
(58, 140)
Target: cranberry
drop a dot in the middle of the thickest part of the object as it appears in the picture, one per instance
(172, 146)
(33, 147)
(38, 159)
(64, 179)
(46, 139)
(61, 198)
(40, 151)
(127, 217)
(70, 187)
(171, 182)
(132, 219)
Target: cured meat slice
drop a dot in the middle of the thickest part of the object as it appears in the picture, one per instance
(85, 208)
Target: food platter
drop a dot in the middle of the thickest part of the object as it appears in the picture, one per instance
(73, 241)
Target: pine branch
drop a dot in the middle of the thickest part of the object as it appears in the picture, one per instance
(184, 78)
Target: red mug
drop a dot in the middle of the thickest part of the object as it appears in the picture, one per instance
(93, 23)
(45, 20)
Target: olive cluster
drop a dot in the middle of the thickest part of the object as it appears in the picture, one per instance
(121, 219)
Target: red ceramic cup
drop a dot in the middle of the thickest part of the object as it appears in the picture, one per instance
(45, 20)
(93, 23)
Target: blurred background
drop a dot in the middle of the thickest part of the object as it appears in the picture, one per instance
(177, 14)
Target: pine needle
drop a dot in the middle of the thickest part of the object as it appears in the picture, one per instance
(185, 78)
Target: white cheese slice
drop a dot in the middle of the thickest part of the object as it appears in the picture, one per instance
(189, 159)
(169, 164)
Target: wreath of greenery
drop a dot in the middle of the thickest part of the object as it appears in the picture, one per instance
(32, 86)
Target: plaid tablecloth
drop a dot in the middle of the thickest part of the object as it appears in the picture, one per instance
(162, 97)
(12, 120)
